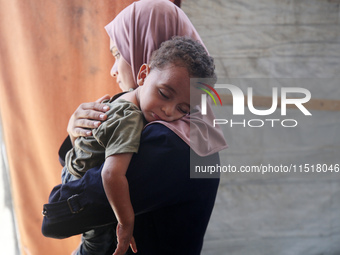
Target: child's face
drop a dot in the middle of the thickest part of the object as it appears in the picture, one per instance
(164, 94)
(121, 70)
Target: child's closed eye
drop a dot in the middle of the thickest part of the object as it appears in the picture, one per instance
(183, 110)
(163, 94)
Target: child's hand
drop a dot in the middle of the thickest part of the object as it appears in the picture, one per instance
(125, 238)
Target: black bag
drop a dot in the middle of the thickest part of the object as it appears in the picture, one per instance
(76, 207)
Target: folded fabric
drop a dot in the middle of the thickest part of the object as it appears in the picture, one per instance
(76, 202)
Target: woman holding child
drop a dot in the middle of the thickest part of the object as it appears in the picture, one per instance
(171, 210)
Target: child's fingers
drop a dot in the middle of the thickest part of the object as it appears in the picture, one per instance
(123, 238)
(121, 248)
(133, 245)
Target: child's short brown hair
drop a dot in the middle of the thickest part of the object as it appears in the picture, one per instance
(183, 51)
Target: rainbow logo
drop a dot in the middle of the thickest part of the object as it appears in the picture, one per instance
(209, 93)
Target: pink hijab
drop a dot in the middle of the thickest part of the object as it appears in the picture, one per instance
(139, 30)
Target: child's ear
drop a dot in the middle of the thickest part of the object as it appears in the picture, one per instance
(143, 72)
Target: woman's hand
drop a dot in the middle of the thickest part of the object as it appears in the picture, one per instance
(86, 117)
(125, 238)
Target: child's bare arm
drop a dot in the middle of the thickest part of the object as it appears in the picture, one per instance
(116, 186)
(117, 191)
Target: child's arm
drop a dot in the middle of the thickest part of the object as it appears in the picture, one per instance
(117, 191)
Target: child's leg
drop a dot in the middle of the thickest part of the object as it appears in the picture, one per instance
(100, 240)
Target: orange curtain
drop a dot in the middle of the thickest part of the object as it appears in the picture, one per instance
(54, 55)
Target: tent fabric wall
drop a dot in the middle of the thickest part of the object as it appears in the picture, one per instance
(54, 56)
(265, 44)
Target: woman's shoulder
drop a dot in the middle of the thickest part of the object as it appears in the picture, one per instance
(163, 136)
(157, 129)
